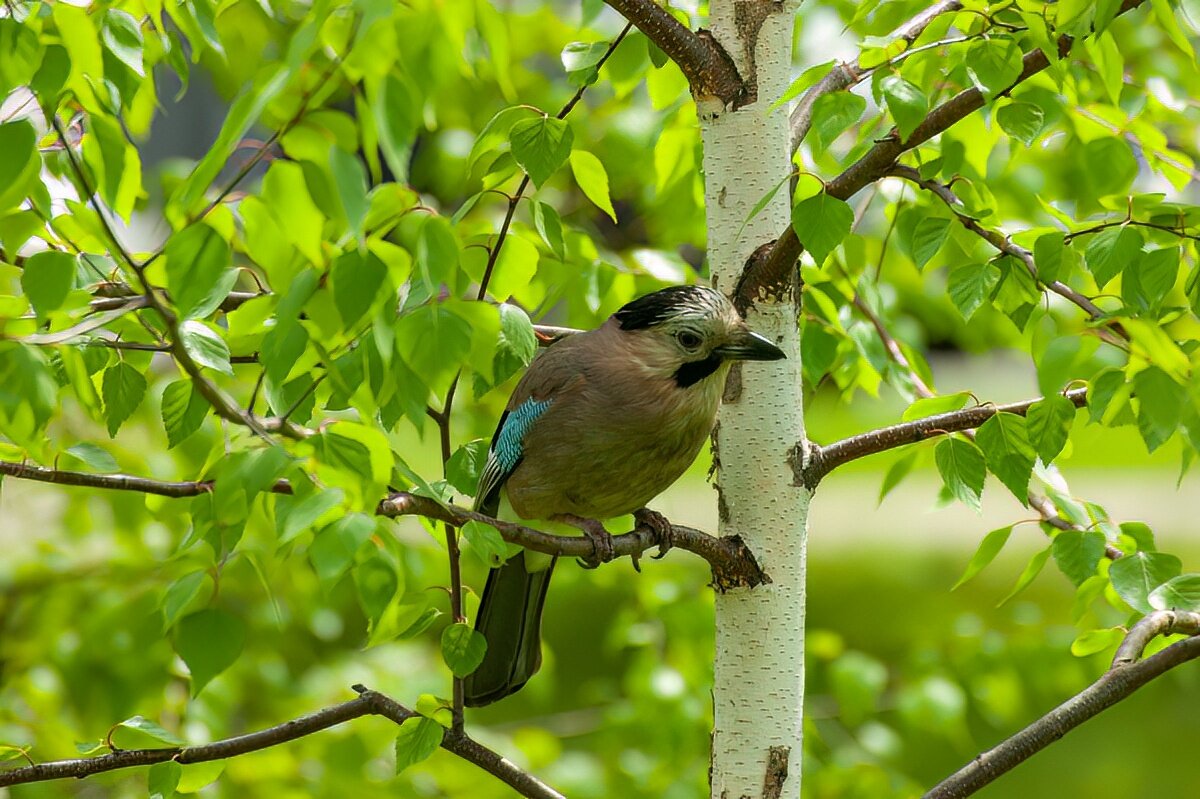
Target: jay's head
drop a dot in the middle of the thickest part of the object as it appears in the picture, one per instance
(690, 332)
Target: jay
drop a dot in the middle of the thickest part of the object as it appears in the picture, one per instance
(601, 423)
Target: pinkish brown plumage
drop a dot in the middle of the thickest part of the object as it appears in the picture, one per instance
(603, 422)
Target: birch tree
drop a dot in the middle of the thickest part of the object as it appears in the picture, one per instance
(257, 385)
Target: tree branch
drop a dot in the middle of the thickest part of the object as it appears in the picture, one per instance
(823, 460)
(368, 703)
(1125, 676)
(771, 264)
(843, 75)
(1004, 245)
(709, 70)
(733, 565)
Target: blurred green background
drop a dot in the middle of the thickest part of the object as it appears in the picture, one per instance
(906, 680)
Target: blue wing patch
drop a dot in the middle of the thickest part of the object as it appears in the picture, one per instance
(508, 447)
(510, 443)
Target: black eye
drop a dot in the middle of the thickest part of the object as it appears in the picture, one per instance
(687, 340)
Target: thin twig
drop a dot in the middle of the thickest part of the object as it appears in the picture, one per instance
(732, 563)
(771, 267)
(367, 703)
(843, 75)
(1126, 675)
(1006, 245)
(823, 460)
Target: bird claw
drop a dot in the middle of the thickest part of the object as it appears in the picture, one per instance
(659, 525)
(594, 531)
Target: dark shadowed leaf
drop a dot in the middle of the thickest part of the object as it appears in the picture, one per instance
(1005, 443)
(209, 641)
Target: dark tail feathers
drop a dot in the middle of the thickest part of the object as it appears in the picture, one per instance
(510, 619)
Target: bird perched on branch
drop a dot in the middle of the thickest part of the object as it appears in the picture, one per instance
(602, 423)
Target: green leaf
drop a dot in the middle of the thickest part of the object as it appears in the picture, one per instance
(20, 165)
(821, 223)
(242, 114)
(1005, 443)
(179, 595)
(419, 738)
(197, 257)
(1048, 256)
(163, 779)
(549, 227)
(581, 56)
(1146, 284)
(433, 342)
(970, 284)
(123, 388)
(1135, 576)
(397, 116)
(928, 237)
(962, 468)
(47, 279)
(1110, 251)
(541, 146)
(209, 641)
(95, 457)
(1032, 570)
(205, 346)
(1102, 389)
(988, 549)
(896, 473)
(294, 515)
(151, 728)
(357, 278)
(1049, 423)
(437, 252)
(486, 542)
(350, 180)
(932, 406)
(1022, 121)
(462, 648)
(1178, 593)
(1077, 553)
(994, 64)
(464, 466)
(183, 411)
(333, 549)
(833, 113)
(123, 38)
(1094, 641)
(1160, 405)
(592, 178)
(377, 583)
(907, 103)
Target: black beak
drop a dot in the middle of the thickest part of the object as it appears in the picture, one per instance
(749, 346)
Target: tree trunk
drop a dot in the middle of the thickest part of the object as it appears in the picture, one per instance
(759, 668)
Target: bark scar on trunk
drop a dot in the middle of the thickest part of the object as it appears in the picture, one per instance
(777, 772)
(739, 570)
(749, 16)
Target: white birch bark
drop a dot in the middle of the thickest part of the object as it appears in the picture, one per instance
(759, 668)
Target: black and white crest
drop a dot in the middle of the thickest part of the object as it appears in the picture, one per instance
(670, 303)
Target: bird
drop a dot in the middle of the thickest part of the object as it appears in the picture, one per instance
(602, 422)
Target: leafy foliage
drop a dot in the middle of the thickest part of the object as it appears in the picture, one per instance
(319, 258)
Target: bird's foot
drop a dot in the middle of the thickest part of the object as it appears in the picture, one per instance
(658, 524)
(594, 531)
